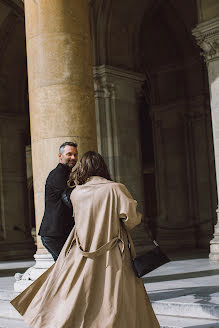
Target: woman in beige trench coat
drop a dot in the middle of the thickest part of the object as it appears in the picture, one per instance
(92, 284)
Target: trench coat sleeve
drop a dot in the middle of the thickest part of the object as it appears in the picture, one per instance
(127, 208)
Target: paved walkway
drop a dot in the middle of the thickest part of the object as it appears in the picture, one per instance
(184, 293)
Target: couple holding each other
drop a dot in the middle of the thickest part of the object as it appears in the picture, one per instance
(92, 283)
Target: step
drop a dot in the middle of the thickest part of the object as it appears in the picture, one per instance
(11, 323)
(186, 307)
(182, 306)
(7, 295)
(6, 309)
(179, 322)
(187, 288)
(9, 315)
(165, 322)
(187, 302)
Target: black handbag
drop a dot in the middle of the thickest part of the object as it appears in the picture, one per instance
(147, 262)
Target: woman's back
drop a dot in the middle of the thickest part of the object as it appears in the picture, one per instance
(96, 212)
(92, 284)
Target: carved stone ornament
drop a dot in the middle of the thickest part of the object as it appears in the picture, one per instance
(207, 36)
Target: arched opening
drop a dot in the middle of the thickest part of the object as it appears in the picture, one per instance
(181, 123)
(174, 113)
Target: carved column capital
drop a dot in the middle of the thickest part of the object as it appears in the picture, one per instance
(109, 91)
(207, 36)
(102, 89)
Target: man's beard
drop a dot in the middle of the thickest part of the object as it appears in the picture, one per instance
(70, 165)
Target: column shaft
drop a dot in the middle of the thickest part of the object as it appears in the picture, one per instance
(116, 94)
(207, 35)
(60, 85)
(15, 237)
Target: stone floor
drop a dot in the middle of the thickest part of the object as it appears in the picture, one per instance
(184, 292)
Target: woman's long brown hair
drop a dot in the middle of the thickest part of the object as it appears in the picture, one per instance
(90, 164)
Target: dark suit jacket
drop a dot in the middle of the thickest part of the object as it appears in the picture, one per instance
(57, 220)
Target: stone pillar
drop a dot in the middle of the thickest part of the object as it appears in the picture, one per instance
(15, 231)
(202, 191)
(116, 99)
(207, 36)
(172, 224)
(60, 80)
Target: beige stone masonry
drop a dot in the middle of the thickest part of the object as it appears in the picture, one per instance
(60, 85)
(61, 96)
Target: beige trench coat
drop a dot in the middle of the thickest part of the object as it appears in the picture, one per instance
(92, 284)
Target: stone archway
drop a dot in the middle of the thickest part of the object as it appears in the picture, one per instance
(156, 41)
(180, 111)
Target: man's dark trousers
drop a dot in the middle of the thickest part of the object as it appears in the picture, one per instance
(54, 245)
(57, 220)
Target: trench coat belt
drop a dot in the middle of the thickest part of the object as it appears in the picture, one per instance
(101, 250)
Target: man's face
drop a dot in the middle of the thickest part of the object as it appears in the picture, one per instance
(69, 156)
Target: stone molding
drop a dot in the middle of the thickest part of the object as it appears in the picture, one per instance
(107, 79)
(207, 36)
(105, 70)
(102, 89)
(109, 84)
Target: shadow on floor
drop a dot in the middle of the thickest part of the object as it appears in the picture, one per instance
(203, 294)
(180, 276)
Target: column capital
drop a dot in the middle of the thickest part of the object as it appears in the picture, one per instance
(207, 36)
(108, 79)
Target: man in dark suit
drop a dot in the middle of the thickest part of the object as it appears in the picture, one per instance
(57, 221)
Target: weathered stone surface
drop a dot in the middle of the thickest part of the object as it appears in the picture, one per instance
(60, 84)
(60, 90)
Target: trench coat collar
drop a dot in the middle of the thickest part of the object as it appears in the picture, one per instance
(94, 180)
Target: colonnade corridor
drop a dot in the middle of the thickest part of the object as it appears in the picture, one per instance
(140, 85)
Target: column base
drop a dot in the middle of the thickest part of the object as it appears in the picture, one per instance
(43, 262)
(214, 245)
(17, 250)
(175, 238)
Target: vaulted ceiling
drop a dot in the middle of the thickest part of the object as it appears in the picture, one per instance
(123, 31)
(141, 36)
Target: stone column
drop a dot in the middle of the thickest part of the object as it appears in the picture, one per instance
(15, 232)
(207, 36)
(116, 99)
(60, 80)
(172, 224)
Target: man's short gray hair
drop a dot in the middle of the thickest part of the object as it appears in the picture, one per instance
(67, 143)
